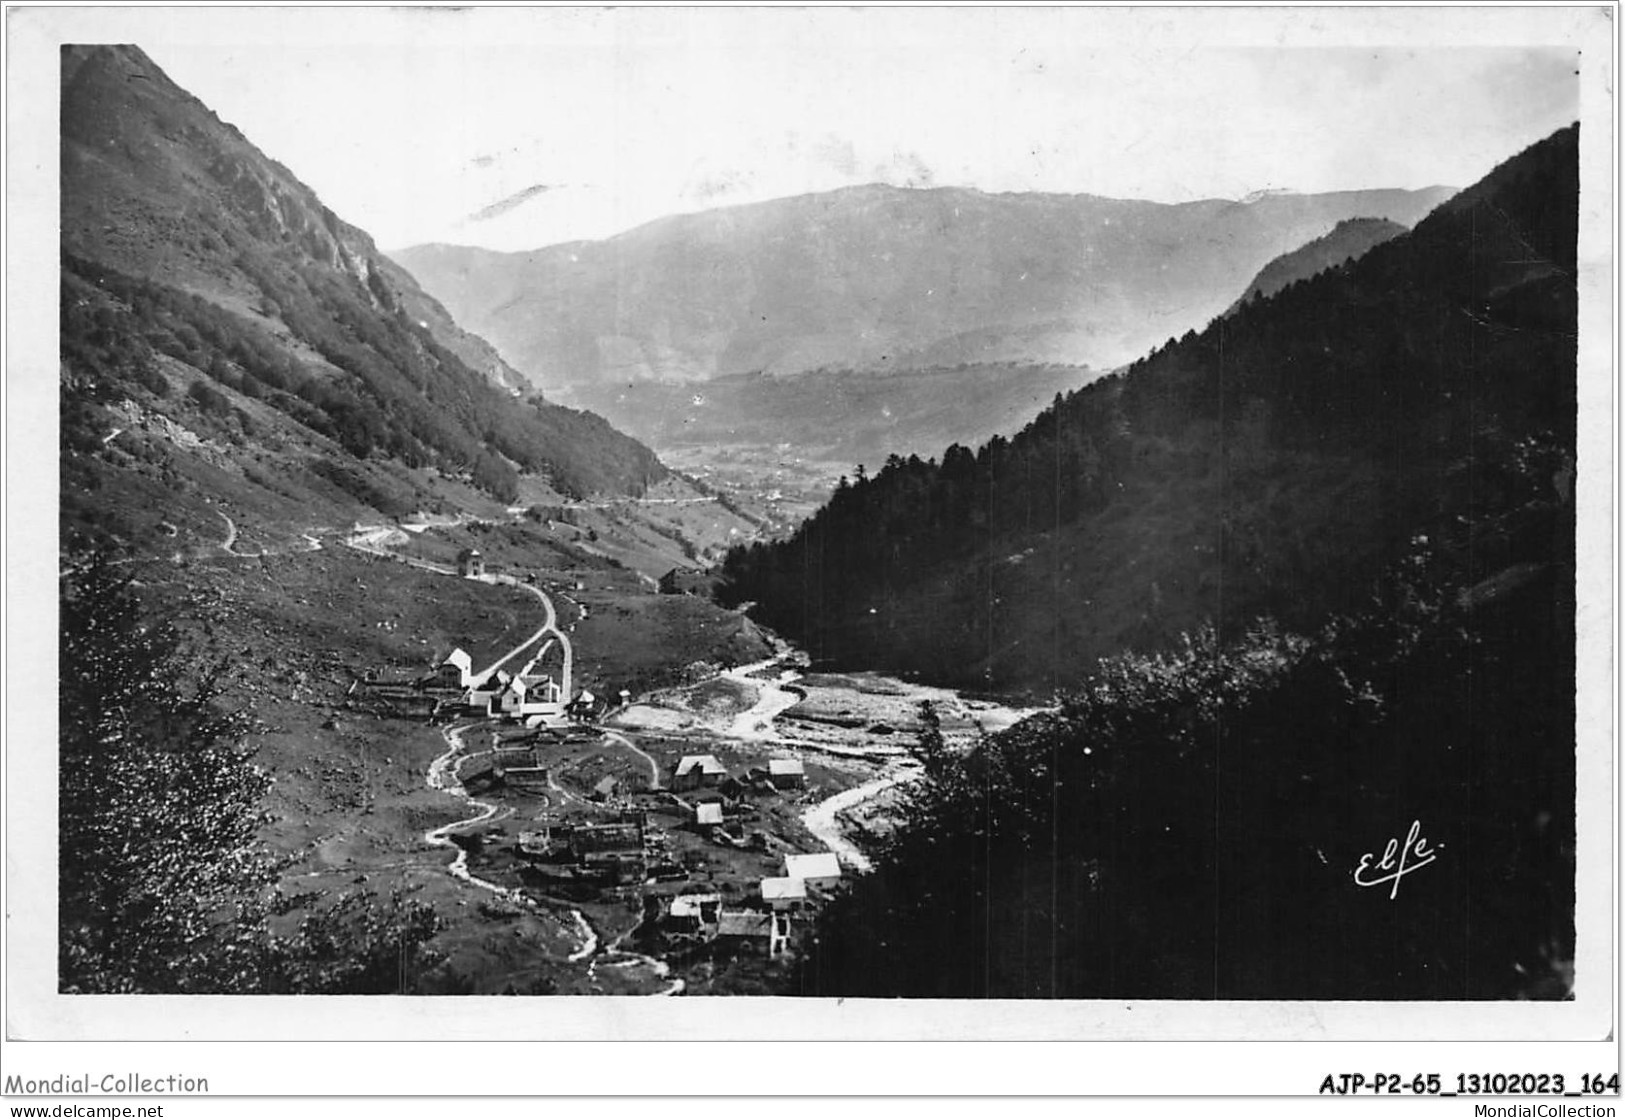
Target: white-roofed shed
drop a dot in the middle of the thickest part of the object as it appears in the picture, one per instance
(820, 869)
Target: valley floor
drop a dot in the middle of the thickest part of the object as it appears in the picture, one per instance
(374, 790)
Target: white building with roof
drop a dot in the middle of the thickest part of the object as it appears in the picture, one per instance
(484, 695)
(784, 894)
(511, 700)
(457, 670)
(820, 869)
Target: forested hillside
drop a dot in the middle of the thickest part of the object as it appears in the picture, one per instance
(1365, 484)
(1350, 240)
(1277, 462)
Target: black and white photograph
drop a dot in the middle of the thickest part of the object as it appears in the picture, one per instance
(816, 512)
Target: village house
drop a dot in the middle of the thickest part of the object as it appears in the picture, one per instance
(821, 869)
(522, 767)
(585, 706)
(550, 840)
(543, 700)
(482, 694)
(456, 671)
(541, 688)
(697, 770)
(703, 916)
(708, 813)
(687, 581)
(695, 913)
(613, 852)
(785, 895)
(470, 564)
(624, 836)
(787, 773)
(751, 925)
(511, 700)
(607, 787)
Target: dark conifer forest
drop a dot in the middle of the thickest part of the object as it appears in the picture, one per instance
(1295, 582)
(1276, 463)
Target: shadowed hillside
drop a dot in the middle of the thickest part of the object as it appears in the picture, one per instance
(1327, 549)
(1349, 241)
(1276, 462)
(224, 333)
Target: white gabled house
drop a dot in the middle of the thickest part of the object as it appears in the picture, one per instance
(456, 671)
(511, 700)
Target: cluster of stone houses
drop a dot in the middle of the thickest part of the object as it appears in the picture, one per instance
(532, 694)
(617, 851)
(704, 771)
(711, 793)
(705, 917)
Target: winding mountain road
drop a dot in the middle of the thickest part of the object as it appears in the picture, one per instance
(550, 626)
(370, 540)
(228, 545)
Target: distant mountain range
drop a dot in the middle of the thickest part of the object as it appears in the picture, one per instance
(224, 334)
(842, 418)
(876, 278)
(1350, 240)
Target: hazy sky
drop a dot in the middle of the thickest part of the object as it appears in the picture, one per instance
(406, 123)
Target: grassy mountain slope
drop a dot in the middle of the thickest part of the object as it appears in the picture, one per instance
(877, 278)
(248, 339)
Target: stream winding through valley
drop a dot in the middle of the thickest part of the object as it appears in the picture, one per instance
(775, 693)
(776, 690)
